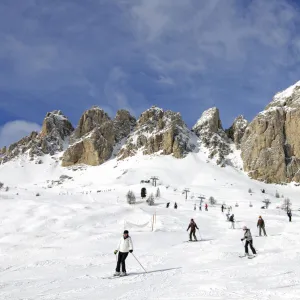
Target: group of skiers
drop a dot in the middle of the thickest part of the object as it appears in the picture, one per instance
(125, 245)
(175, 205)
(200, 206)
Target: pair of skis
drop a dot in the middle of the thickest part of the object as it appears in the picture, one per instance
(248, 256)
(115, 276)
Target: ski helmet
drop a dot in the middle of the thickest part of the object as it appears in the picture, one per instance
(245, 228)
(192, 220)
(259, 217)
(126, 232)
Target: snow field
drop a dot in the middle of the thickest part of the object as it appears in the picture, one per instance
(60, 245)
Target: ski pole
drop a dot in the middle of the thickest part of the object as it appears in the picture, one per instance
(139, 262)
(200, 234)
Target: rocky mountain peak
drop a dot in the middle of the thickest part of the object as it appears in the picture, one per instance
(237, 130)
(55, 132)
(212, 136)
(271, 144)
(91, 119)
(158, 131)
(209, 121)
(287, 98)
(124, 123)
(56, 124)
(96, 136)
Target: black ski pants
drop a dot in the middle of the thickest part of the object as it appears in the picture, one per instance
(193, 233)
(249, 243)
(290, 218)
(121, 261)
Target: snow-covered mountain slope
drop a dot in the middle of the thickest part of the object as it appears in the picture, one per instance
(59, 245)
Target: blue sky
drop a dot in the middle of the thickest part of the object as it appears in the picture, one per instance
(183, 55)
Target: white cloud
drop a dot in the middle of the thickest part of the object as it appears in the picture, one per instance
(12, 132)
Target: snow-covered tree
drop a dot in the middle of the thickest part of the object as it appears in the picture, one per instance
(150, 200)
(287, 204)
(130, 197)
(212, 200)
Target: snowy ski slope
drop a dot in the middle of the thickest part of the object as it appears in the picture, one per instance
(60, 245)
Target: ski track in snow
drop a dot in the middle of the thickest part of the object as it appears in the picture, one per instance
(60, 245)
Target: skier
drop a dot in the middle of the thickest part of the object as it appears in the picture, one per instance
(231, 219)
(175, 205)
(168, 204)
(222, 208)
(289, 213)
(228, 216)
(206, 207)
(261, 225)
(195, 207)
(200, 207)
(125, 246)
(249, 241)
(193, 227)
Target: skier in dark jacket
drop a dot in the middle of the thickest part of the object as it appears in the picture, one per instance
(206, 207)
(175, 205)
(261, 226)
(289, 213)
(231, 219)
(222, 208)
(168, 204)
(249, 241)
(193, 226)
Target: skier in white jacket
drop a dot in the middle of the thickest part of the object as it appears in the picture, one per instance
(249, 241)
(125, 246)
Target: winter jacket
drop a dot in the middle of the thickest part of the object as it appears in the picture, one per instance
(231, 219)
(260, 223)
(125, 244)
(193, 226)
(247, 235)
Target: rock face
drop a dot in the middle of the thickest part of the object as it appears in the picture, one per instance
(212, 136)
(237, 130)
(271, 144)
(94, 139)
(159, 131)
(124, 123)
(54, 135)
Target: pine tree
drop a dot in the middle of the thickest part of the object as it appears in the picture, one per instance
(130, 197)
(212, 200)
(150, 200)
(143, 193)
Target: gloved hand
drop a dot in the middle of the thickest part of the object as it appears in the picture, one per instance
(130, 251)
(115, 252)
